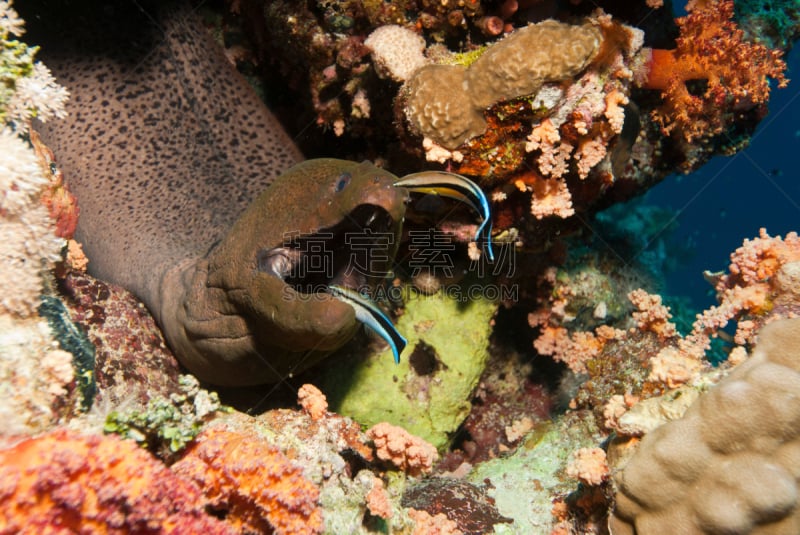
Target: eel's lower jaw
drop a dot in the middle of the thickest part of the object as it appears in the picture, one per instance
(356, 253)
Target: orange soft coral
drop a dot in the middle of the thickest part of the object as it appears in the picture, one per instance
(259, 489)
(66, 482)
(711, 47)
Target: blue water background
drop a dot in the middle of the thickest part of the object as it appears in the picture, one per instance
(730, 198)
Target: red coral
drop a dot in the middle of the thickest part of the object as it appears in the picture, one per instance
(711, 47)
(66, 482)
(258, 487)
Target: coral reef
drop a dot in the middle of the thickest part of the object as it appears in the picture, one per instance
(254, 486)
(333, 70)
(730, 464)
(641, 372)
(38, 385)
(65, 481)
(598, 360)
(593, 136)
(631, 368)
(551, 149)
(445, 104)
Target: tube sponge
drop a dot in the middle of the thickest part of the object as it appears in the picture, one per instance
(732, 463)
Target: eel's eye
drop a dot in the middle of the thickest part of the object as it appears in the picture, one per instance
(342, 182)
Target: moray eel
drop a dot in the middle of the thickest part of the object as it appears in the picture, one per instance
(165, 147)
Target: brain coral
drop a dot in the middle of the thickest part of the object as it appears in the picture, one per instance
(438, 106)
(445, 103)
(519, 64)
(732, 463)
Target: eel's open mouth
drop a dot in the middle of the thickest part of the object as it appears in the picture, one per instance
(355, 253)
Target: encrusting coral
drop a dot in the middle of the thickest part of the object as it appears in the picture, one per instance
(730, 465)
(67, 482)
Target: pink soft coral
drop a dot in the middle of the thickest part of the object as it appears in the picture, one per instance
(754, 279)
(401, 448)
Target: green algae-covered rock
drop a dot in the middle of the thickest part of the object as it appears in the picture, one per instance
(537, 466)
(428, 392)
